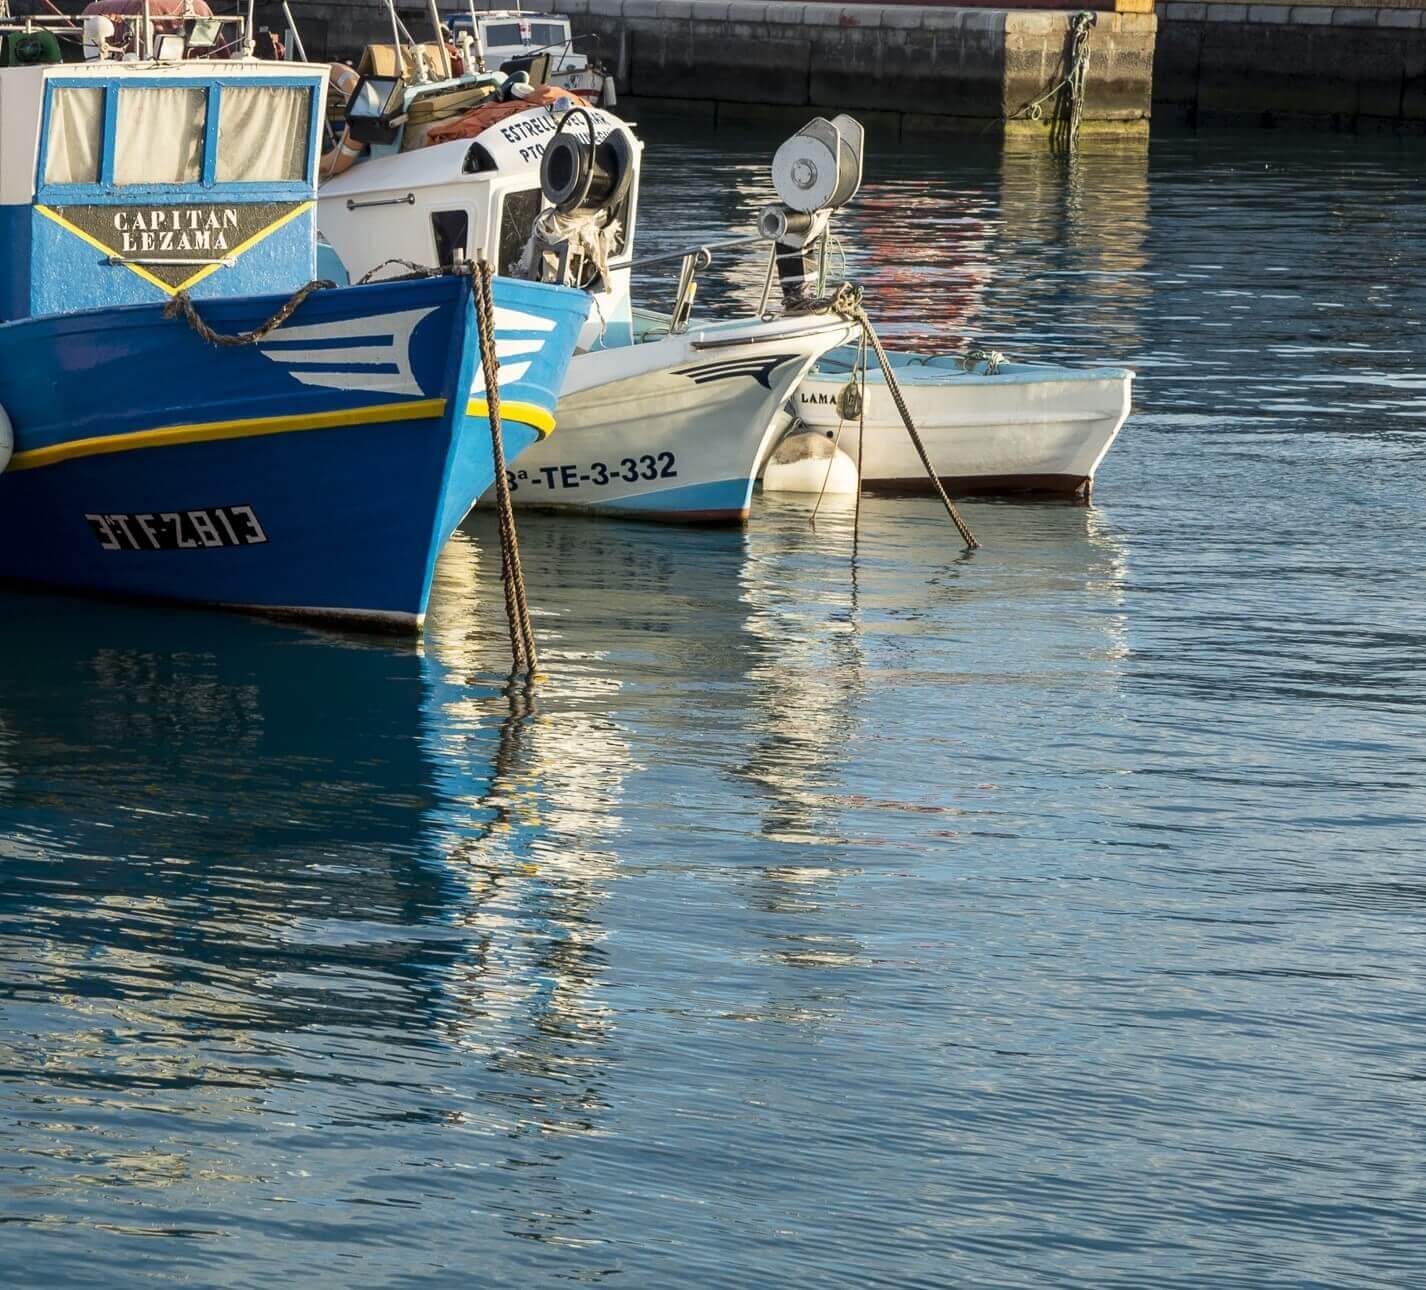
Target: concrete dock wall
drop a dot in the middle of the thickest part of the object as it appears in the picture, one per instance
(1338, 66)
(914, 66)
(922, 67)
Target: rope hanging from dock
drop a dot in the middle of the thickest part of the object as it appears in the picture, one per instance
(847, 301)
(517, 608)
(1068, 91)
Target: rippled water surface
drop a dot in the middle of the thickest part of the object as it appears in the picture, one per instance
(1050, 916)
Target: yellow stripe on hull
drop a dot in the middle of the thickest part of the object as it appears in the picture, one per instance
(537, 418)
(526, 413)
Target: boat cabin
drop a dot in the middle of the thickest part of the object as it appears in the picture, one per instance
(471, 198)
(510, 37)
(125, 182)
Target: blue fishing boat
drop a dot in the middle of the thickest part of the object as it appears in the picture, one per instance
(164, 438)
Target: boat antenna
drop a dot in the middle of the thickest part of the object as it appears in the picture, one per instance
(296, 35)
(435, 16)
(418, 55)
(479, 40)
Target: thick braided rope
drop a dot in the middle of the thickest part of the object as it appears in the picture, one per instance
(522, 632)
(182, 303)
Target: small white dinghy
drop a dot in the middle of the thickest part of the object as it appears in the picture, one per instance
(989, 426)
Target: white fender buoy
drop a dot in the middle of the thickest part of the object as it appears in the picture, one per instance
(7, 440)
(805, 461)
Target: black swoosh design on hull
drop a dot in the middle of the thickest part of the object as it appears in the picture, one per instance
(760, 369)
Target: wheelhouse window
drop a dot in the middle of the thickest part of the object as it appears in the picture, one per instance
(76, 147)
(549, 33)
(212, 135)
(159, 135)
(517, 222)
(263, 133)
(500, 34)
(451, 231)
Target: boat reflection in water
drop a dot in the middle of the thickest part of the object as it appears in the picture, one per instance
(533, 847)
(841, 648)
(283, 877)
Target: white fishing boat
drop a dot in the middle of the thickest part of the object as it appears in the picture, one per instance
(667, 419)
(989, 426)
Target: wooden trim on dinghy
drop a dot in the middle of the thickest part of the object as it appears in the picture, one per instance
(1062, 486)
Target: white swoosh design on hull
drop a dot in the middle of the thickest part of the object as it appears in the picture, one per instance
(505, 373)
(336, 353)
(374, 354)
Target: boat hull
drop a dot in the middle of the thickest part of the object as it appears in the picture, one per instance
(673, 429)
(1027, 430)
(316, 473)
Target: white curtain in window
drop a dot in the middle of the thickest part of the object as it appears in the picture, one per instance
(263, 134)
(160, 136)
(76, 137)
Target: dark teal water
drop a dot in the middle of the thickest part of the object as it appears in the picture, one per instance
(1050, 916)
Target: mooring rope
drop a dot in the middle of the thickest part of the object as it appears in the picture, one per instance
(182, 304)
(415, 271)
(847, 301)
(517, 608)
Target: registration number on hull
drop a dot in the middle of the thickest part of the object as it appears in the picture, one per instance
(597, 474)
(205, 529)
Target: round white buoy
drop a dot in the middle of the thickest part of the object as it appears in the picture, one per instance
(805, 461)
(7, 440)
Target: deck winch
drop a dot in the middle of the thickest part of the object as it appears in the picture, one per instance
(587, 180)
(583, 176)
(815, 172)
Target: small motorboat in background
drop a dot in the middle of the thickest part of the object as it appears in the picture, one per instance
(989, 426)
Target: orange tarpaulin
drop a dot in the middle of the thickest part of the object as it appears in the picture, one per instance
(480, 119)
(157, 9)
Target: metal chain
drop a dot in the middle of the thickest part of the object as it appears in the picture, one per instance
(182, 303)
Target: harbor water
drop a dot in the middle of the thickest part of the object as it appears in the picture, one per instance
(1050, 915)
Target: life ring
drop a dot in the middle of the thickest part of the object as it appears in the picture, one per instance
(346, 152)
(7, 440)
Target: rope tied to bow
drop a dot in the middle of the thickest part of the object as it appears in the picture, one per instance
(182, 305)
(847, 302)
